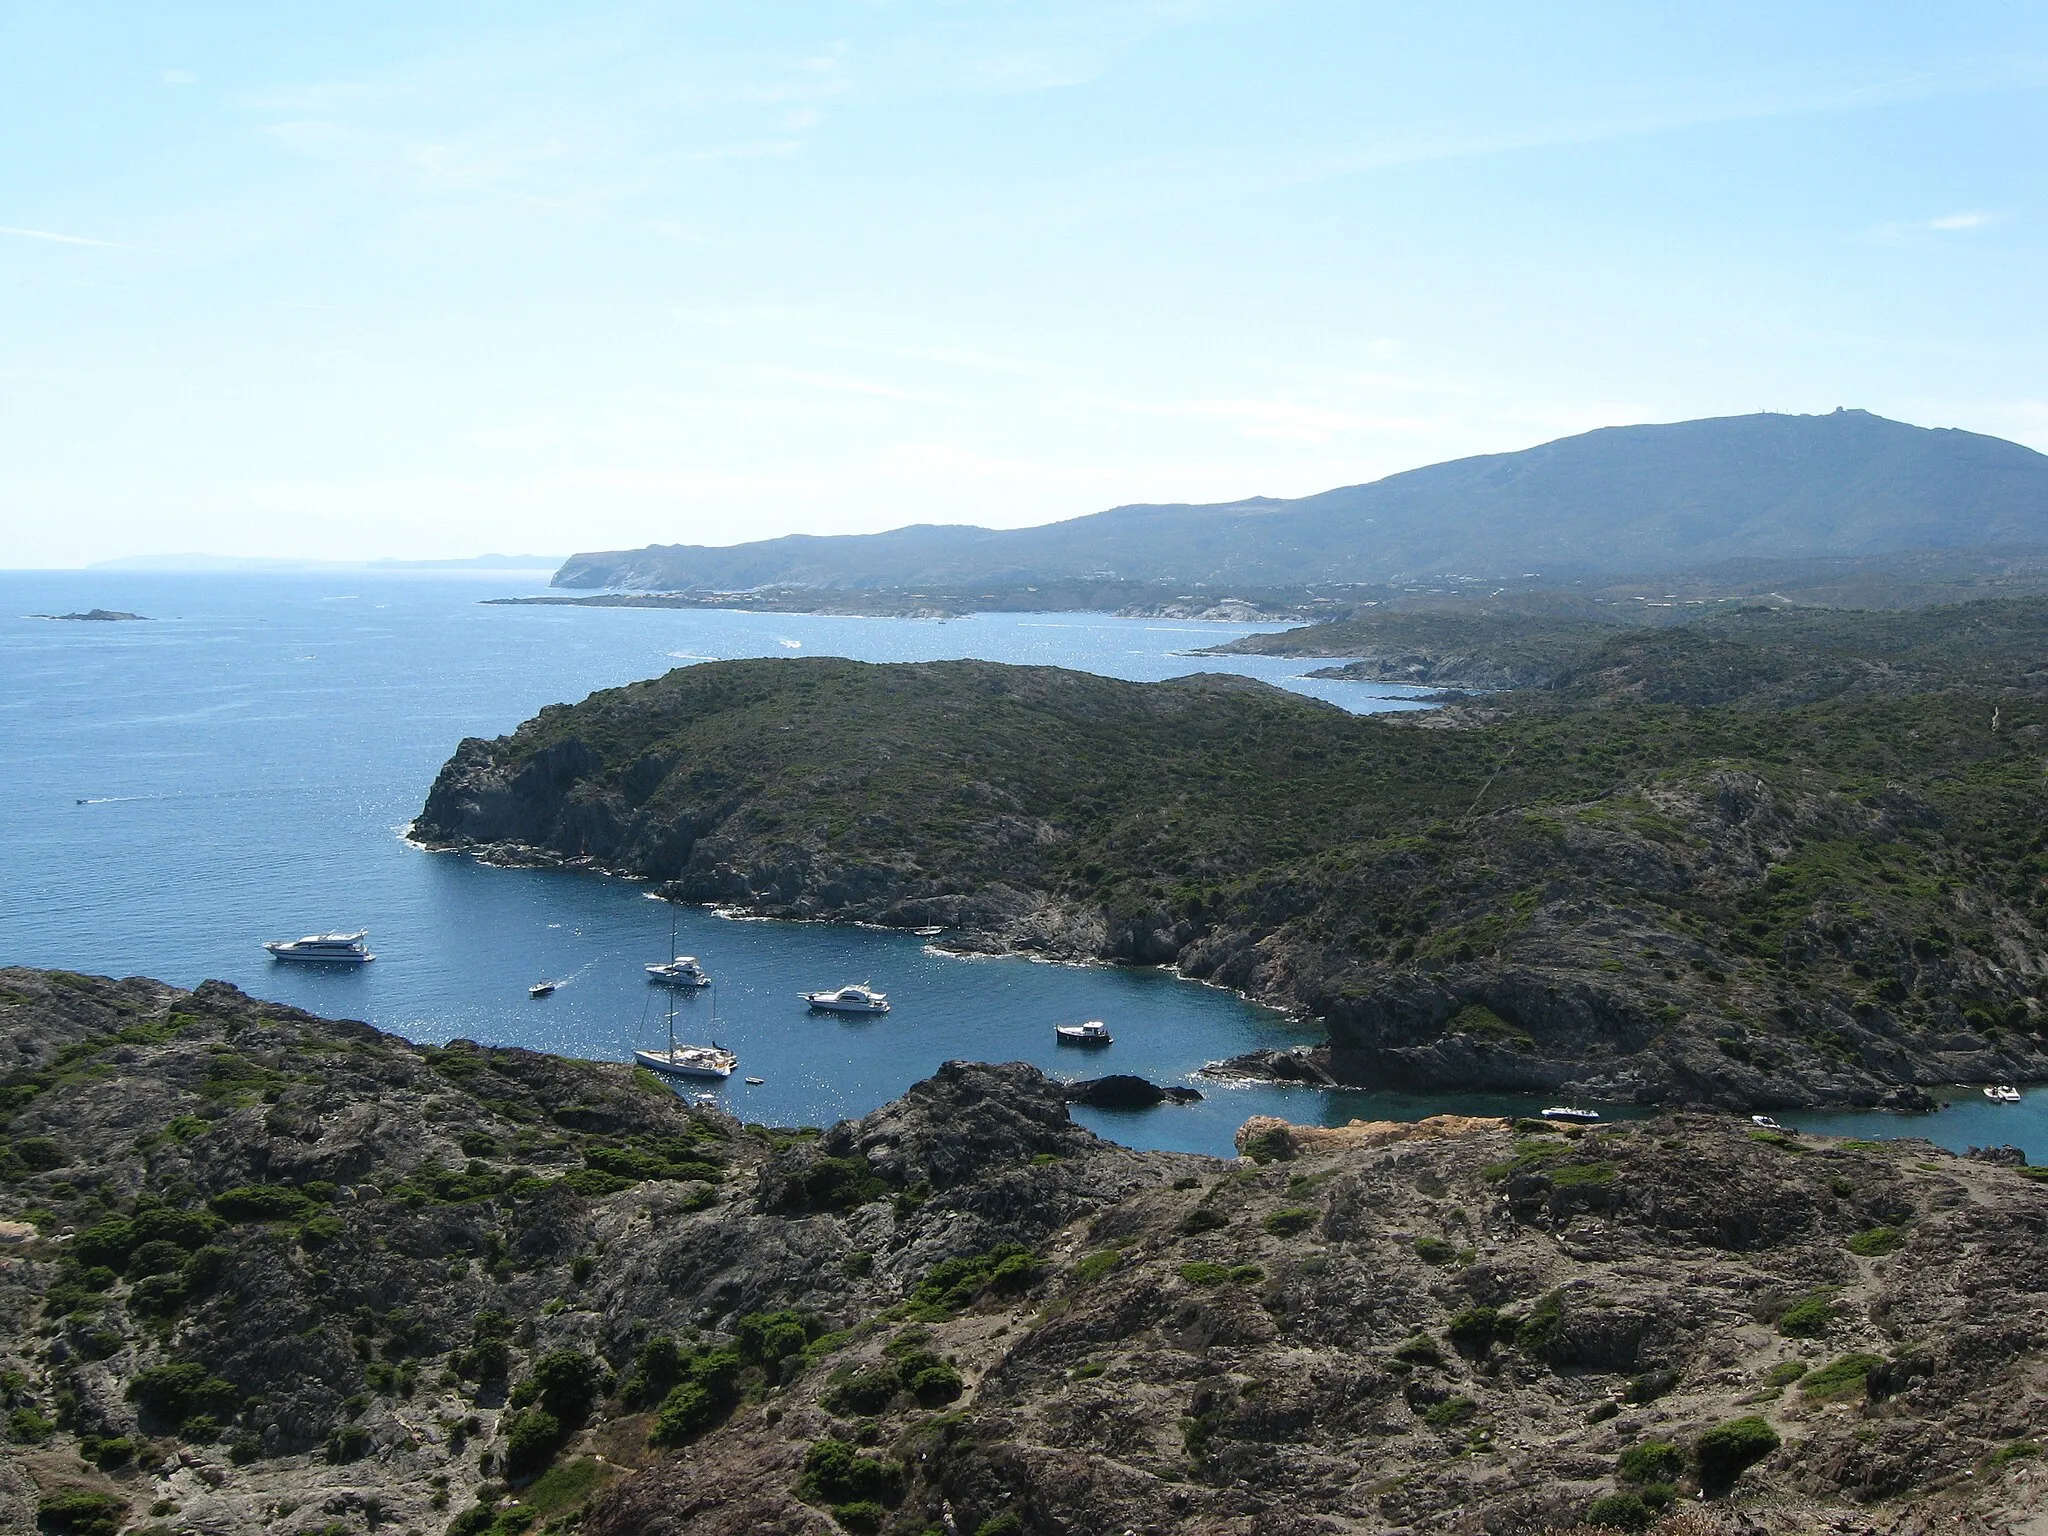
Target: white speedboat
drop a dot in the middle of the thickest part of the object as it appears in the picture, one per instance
(683, 971)
(326, 948)
(2004, 1093)
(862, 998)
(541, 988)
(1571, 1112)
(713, 1061)
(1094, 1032)
(1765, 1123)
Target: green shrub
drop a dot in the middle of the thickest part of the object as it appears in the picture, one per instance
(769, 1338)
(1096, 1265)
(567, 1383)
(1653, 1461)
(707, 1387)
(837, 1473)
(1291, 1221)
(1785, 1372)
(1450, 1413)
(1434, 1250)
(1473, 1330)
(2016, 1450)
(1269, 1146)
(262, 1202)
(1624, 1511)
(1008, 1523)
(956, 1284)
(155, 1257)
(865, 1392)
(351, 1442)
(1539, 1330)
(863, 1516)
(1875, 1242)
(80, 1512)
(1419, 1350)
(532, 1440)
(1203, 1218)
(25, 1426)
(1848, 1376)
(1202, 1272)
(182, 1390)
(1809, 1317)
(1727, 1450)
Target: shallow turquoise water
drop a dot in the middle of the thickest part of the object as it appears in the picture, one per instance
(250, 758)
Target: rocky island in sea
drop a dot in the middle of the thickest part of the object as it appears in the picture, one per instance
(265, 1271)
(95, 616)
(1768, 860)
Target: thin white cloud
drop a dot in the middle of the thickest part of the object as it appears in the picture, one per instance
(52, 235)
(1961, 221)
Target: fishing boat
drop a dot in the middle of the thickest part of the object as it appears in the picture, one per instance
(700, 1061)
(541, 988)
(860, 998)
(324, 948)
(1572, 1113)
(2004, 1093)
(1094, 1032)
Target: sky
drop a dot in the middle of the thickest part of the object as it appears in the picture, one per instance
(392, 280)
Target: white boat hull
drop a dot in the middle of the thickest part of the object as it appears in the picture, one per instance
(1076, 1037)
(661, 1061)
(305, 957)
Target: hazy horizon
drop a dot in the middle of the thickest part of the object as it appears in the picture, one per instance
(385, 286)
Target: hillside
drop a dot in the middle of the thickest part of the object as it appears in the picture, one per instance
(1618, 500)
(269, 1272)
(1792, 860)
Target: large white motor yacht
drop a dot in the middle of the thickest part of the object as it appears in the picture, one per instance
(1571, 1112)
(328, 948)
(855, 999)
(683, 971)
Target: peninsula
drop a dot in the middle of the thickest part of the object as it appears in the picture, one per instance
(1778, 859)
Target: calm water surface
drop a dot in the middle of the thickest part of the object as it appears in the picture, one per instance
(243, 768)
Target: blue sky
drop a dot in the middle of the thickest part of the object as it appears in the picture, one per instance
(394, 280)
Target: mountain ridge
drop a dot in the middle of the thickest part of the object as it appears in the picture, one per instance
(1666, 496)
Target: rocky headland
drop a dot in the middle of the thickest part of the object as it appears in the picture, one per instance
(1780, 860)
(269, 1272)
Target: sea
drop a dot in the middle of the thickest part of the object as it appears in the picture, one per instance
(244, 766)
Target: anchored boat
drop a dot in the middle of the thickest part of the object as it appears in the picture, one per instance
(1094, 1032)
(862, 998)
(325, 948)
(700, 1061)
(1571, 1112)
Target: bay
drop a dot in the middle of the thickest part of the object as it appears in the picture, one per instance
(243, 767)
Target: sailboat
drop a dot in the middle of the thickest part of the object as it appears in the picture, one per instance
(702, 1061)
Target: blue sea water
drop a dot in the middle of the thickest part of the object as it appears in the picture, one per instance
(244, 766)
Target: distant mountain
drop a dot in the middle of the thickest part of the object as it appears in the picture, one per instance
(1618, 500)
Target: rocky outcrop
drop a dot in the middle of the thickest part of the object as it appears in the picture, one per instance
(959, 1312)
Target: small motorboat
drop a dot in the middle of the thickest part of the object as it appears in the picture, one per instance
(861, 998)
(541, 988)
(2004, 1093)
(324, 948)
(755, 1082)
(1094, 1032)
(1765, 1123)
(1571, 1112)
(683, 971)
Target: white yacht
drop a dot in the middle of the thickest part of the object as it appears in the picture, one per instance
(862, 998)
(712, 1061)
(2004, 1093)
(1094, 1032)
(328, 948)
(1765, 1123)
(1571, 1112)
(683, 971)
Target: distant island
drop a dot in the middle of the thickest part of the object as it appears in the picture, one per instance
(95, 616)
(1770, 859)
(1613, 503)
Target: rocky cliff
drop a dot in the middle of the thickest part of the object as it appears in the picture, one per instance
(268, 1272)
